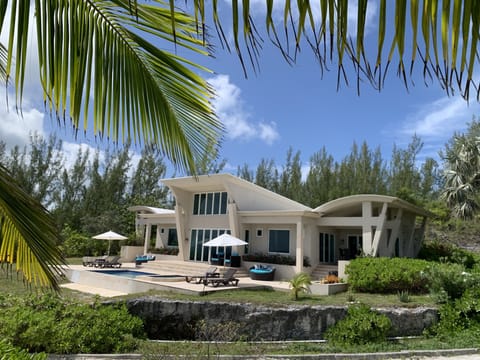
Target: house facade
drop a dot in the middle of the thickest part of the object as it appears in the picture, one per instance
(207, 206)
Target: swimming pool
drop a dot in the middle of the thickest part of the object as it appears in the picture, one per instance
(131, 274)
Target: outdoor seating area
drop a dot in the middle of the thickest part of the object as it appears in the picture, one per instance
(108, 262)
(262, 273)
(102, 261)
(141, 259)
(210, 273)
(227, 279)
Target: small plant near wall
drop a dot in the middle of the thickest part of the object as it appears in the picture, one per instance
(300, 284)
(404, 296)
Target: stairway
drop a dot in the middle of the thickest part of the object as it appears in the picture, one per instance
(322, 270)
(184, 268)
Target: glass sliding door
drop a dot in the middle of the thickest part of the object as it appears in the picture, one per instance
(327, 248)
(198, 252)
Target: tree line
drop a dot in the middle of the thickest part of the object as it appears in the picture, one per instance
(92, 194)
(363, 171)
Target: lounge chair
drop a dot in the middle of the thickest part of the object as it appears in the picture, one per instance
(210, 273)
(92, 260)
(110, 261)
(226, 279)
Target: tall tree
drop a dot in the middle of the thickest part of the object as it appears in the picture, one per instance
(266, 175)
(105, 200)
(244, 172)
(404, 177)
(73, 184)
(290, 184)
(145, 186)
(37, 167)
(320, 178)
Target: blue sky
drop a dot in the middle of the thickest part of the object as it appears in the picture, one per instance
(291, 106)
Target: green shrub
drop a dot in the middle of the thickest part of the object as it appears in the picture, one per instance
(50, 324)
(360, 326)
(7, 351)
(448, 281)
(444, 252)
(459, 315)
(275, 259)
(387, 275)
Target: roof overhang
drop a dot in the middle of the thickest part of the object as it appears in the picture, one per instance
(352, 200)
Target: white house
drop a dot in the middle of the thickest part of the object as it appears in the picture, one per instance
(207, 206)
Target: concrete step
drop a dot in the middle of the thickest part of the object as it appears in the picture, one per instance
(189, 268)
(322, 270)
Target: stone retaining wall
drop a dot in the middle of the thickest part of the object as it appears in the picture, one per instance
(176, 320)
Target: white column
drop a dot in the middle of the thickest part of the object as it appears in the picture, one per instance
(380, 233)
(299, 256)
(148, 234)
(179, 217)
(367, 227)
(232, 219)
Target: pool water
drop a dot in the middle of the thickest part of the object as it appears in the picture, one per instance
(131, 274)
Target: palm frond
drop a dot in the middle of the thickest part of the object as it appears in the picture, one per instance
(101, 65)
(28, 235)
(447, 41)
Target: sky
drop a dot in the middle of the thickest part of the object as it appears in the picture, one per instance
(283, 106)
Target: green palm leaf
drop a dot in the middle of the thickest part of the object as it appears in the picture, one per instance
(439, 21)
(27, 235)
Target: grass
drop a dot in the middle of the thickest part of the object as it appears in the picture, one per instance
(191, 349)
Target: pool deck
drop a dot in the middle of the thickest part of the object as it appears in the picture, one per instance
(83, 279)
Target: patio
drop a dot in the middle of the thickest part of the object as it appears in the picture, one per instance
(107, 285)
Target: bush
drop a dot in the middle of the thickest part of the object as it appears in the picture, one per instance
(7, 351)
(52, 325)
(459, 315)
(360, 326)
(449, 281)
(274, 259)
(444, 252)
(387, 276)
(165, 251)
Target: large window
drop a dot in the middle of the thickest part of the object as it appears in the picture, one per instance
(198, 237)
(172, 237)
(279, 241)
(213, 203)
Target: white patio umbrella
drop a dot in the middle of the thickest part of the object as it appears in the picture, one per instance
(225, 240)
(109, 235)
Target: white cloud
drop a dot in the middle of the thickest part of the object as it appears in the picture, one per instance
(436, 122)
(231, 111)
(15, 128)
(440, 119)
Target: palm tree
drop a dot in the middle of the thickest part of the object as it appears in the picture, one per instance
(300, 283)
(462, 176)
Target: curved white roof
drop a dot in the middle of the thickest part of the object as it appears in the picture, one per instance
(352, 200)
